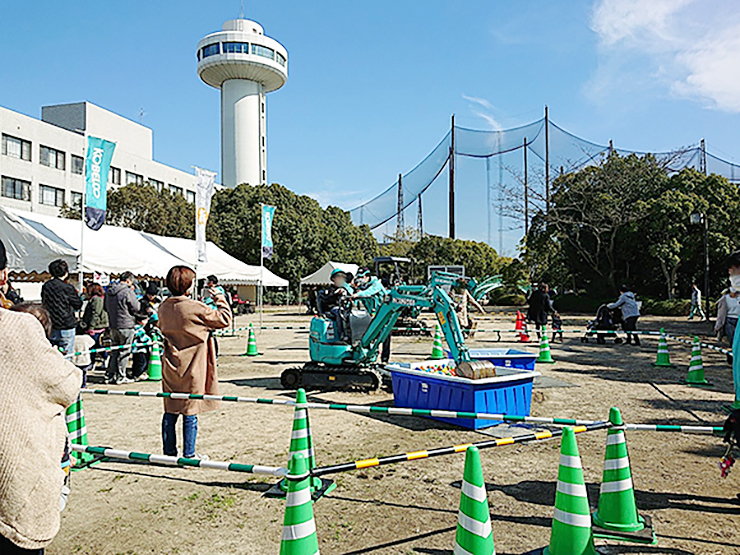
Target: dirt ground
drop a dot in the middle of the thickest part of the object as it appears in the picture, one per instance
(407, 508)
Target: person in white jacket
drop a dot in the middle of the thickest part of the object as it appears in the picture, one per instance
(630, 313)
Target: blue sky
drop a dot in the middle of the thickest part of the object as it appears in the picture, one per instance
(372, 85)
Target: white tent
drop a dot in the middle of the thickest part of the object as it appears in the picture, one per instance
(322, 275)
(33, 240)
(229, 270)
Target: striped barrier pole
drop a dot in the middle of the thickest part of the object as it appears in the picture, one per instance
(113, 348)
(399, 411)
(674, 428)
(180, 461)
(429, 453)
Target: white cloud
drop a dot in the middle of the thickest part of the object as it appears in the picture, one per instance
(689, 47)
(483, 108)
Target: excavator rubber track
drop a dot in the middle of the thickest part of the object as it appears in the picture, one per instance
(314, 376)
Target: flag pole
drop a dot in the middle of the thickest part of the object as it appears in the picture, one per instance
(81, 261)
(262, 259)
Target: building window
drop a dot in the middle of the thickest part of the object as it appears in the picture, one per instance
(114, 176)
(78, 164)
(263, 51)
(190, 195)
(16, 148)
(134, 178)
(158, 185)
(175, 190)
(279, 58)
(77, 200)
(211, 50)
(51, 196)
(52, 157)
(16, 188)
(236, 47)
(264, 176)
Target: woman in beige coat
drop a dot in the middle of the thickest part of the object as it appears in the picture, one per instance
(189, 361)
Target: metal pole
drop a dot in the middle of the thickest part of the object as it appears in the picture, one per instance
(262, 263)
(488, 197)
(703, 157)
(421, 217)
(451, 162)
(706, 265)
(526, 190)
(547, 160)
(400, 224)
(80, 270)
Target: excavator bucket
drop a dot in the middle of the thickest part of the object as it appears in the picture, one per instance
(476, 369)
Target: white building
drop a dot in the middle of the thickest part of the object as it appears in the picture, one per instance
(42, 161)
(245, 65)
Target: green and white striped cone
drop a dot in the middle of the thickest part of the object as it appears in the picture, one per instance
(571, 524)
(545, 355)
(474, 534)
(695, 375)
(299, 527)
(74, 417)
(154, 371)
(251, 343)
(617, 509)
(301, 442)
(437, 350)
(664, 357)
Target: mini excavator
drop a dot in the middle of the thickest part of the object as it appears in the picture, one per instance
(351, 363)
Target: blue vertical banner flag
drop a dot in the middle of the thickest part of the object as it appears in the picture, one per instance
(97, 166)
(268, 214)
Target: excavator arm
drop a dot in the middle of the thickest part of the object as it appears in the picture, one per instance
(417, 297)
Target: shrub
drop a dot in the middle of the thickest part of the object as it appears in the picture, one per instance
(676, 307)
(572, 303)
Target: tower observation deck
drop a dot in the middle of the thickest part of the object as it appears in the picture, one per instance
(245, 65)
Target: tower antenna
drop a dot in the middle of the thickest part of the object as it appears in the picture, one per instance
(241, 14)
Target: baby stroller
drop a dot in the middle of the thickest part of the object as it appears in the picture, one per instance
(606, 321)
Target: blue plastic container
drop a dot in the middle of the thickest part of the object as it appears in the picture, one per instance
(508, 393)
(505, 358)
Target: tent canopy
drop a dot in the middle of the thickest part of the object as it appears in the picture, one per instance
(33, 240)
(321, 276)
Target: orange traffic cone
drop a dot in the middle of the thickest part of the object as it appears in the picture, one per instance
(521, 328)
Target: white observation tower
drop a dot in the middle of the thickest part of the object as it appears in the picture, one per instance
(245, 64)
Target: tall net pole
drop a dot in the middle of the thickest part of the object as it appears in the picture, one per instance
(451, 162)
(547, 160)
(500, 197)
(526, 190)
(400, 225)
(421, 217)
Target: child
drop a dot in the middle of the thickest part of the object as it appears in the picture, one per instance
(141, 348)
(85, 360)
(557, 326)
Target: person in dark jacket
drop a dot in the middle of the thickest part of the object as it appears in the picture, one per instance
(540, 306)
(95, 318)
(61, 300)
(122, 306)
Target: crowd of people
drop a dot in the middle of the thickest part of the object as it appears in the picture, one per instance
(43, 378)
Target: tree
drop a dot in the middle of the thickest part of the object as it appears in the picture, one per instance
(144, 208)
(305, 235)
(627, 220)
(480, 260)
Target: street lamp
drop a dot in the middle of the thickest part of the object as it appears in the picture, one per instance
(700, 218)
